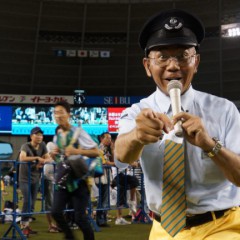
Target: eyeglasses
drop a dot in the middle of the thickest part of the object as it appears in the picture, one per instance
(182, 60)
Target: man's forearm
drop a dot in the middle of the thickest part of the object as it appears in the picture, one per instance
(229, 163)
(127, 148)
(28, 159)
(94, 152)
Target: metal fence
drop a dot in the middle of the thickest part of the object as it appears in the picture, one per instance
(14, 230)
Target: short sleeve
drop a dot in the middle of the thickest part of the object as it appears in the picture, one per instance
(86, 141)
(127, 119)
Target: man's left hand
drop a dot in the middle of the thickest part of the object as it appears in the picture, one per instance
(194, 130)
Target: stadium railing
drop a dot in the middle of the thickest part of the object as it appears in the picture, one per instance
(14, 229)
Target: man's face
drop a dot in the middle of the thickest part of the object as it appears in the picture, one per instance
(61, 115)
(107, 140)
(162, 68)
(37, 138)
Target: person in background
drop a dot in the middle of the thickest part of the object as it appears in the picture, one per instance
(124, 181)
(107, 147)
(171, 41)
(2, 189)
(48, 171)
(49, 115)
(41, 115)
(19, 114)
(33, 155)
(7, 180)
(72, 141)
(30, 114)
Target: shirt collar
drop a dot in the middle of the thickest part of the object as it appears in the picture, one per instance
(187, 99)
(163, 101)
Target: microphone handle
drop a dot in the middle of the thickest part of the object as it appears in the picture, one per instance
(176, 108)
(178, 129)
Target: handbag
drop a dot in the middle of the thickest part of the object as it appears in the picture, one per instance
(78, 165)
(95, 167)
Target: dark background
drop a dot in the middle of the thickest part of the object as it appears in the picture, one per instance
(31, 31)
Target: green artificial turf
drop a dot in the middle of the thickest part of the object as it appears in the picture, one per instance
(116, 232)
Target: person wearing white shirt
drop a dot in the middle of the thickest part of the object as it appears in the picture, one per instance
(71, 142)
(211, 127)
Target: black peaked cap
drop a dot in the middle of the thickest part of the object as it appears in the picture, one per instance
(171, 27)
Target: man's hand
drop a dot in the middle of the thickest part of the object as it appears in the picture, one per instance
(70, 150)
(194, 131)
(40, 162)
(150, 126)
(149, 129)
(135, 164)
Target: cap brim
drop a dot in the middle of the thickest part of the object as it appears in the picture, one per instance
(40, 131)
(169, 42)
(184, 37)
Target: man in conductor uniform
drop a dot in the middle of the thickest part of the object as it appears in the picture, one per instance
(203, 203)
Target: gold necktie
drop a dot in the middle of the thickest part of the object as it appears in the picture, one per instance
(173, 211)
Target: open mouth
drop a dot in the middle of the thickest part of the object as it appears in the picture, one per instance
(170, 79)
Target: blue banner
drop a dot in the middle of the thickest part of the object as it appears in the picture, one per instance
(112, 100)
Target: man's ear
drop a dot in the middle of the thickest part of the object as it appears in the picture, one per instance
(197, 62)
(147, 67)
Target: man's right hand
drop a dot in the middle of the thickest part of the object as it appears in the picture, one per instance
(150, 126)
(40, 162)
(149, 129)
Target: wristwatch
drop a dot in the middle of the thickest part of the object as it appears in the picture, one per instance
(216, 148)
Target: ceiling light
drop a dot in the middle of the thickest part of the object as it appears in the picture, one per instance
(231, 30)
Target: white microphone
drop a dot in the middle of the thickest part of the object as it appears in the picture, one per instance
(174, 89)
